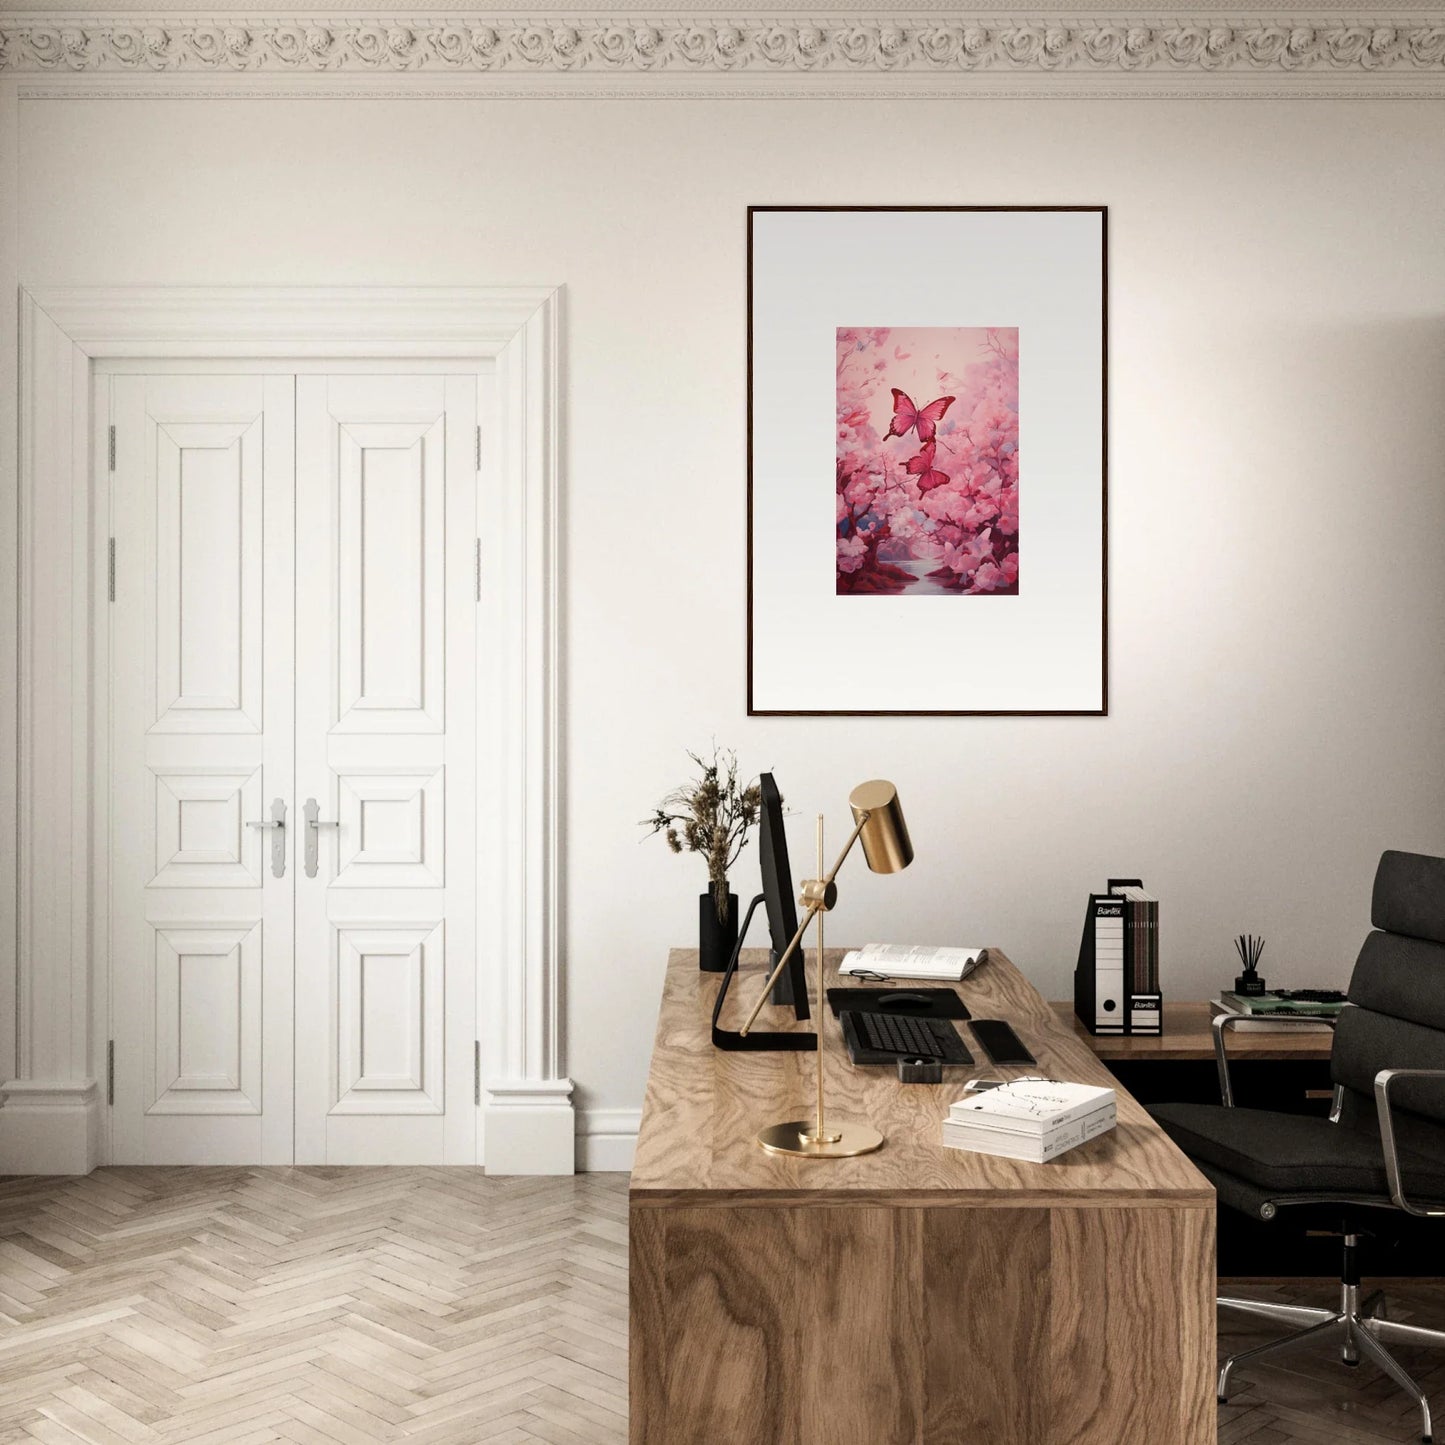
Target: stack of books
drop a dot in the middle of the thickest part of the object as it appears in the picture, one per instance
(1032, 1119)
(1260, 1011)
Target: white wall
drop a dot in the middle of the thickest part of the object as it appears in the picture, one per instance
(1277, 489)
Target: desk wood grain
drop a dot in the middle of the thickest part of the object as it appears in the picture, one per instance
(704, 1106)
(919, 1295)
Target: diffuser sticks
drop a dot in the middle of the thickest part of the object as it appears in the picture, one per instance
(1249, 948)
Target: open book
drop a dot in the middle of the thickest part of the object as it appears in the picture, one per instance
(903, 960)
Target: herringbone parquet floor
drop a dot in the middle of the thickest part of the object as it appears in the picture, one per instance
(326, 1306)
(349, 1306)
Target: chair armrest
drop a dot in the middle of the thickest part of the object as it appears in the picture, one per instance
(1223, 1023)
(1383, 1080)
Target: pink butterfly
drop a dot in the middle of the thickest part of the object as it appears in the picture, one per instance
(907, 417)
(921, 467)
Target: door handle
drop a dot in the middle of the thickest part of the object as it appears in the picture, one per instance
(276, 822)
(314, 824)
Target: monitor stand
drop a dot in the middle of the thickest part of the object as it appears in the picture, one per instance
(756, 1040)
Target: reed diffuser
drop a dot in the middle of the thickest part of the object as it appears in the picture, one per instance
(1249, 948)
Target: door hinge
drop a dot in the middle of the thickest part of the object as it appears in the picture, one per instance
(110, 1072)
(110, 569)
(478, 568)
(479, 448)
(112, 448)
(477, 1071)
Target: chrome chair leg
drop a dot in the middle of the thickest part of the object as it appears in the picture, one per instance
(1402, 1334)
(1374, 1351)
(1332, 1325)
(1281, 1314)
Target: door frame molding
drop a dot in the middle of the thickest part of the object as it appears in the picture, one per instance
(51, 1117)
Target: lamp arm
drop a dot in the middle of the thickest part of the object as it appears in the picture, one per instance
(814, 909)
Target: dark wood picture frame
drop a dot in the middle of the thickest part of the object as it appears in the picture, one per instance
(1103, 709)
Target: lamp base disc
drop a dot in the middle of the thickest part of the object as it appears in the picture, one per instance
(794, 1137)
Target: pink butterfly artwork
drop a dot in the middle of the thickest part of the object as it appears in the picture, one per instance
(924, 420)
(921, 467)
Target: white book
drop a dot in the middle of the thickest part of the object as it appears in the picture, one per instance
(988, 1128)
(1034, 1148)
(905, 960)
(1031, 1106)
(1026, 1145)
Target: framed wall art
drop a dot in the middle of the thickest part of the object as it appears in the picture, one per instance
(927, 455)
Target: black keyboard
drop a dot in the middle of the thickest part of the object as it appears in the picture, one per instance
(897, 1036)
(1311, 995)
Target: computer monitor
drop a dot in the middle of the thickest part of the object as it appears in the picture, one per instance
(777, 899)
(791, 987)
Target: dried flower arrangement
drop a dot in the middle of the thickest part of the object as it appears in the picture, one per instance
(711, 815)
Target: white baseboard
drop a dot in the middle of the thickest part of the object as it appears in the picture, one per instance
(607, 1139)
(48, 1127)
(530, 1127)
(55, 1129)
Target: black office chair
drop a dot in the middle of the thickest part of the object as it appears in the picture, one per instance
(1381, 1151)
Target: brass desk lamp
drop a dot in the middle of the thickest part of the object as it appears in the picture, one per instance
(878, 823)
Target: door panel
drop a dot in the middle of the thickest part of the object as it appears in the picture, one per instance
(389, 1027)
(207, 1050)
(208, 481)
(385, 708)
(389, 524)
(201, 709)
(392, 826)
(201, 837)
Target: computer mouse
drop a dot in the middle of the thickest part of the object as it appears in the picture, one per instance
(904, 1000)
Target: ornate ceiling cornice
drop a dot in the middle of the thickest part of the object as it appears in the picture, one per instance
(1166, 48)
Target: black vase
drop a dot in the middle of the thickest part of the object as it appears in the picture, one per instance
(716, 938)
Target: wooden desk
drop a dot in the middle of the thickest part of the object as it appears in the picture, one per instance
(1188, 1037)
(918, 1295)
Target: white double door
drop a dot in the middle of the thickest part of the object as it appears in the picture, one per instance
(292, 724)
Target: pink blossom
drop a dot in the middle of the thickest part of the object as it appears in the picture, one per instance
(945, 504)
(992, 576)
(850, 553)
(1008, 517)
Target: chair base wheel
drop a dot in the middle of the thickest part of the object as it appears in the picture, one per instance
(1353, 1364)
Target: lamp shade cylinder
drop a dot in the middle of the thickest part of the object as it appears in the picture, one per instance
(884, 835)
